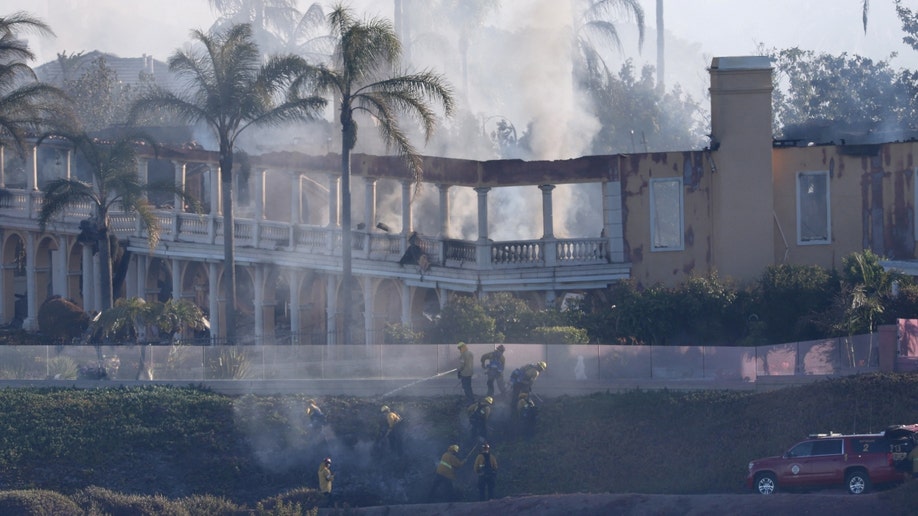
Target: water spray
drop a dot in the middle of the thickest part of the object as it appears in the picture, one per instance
(419, 381)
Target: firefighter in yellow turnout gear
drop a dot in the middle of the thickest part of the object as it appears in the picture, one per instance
(390, 430)
(446, 473)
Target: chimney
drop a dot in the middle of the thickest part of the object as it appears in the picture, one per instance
(741, 149)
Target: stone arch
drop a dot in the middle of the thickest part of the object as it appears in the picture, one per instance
(358, 329)
(424, 307)
(312, 292)
(75, 271)
(196, 286)
(387, 307)
(44, 270)
(158, 283)
(245, 306)
(15, 307)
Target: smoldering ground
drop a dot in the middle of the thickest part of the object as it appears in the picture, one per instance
(367, 471)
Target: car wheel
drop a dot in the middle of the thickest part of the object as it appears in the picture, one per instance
(857, 482)
(765, 483)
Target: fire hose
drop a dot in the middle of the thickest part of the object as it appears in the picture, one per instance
(419, 381)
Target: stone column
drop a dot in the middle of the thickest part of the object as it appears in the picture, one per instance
(295, 199)
(483, 247)
(294, 276)
(444, 210)
(406, 305)
(258, 304)
(331, 309)
(141, 276)
(142, 176)
(89, 301)
(180, 170)
(213, 303)
(68, 171)
(31, 321)
(176, 279)
(333, 181)
(368, 309)
(59, 266)
(406, 208)
(2, 166)
(550, 246)
(369, 203)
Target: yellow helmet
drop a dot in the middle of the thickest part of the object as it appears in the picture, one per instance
(384, 408)
(460, 345)
(454, 448)
(542, 365)
(489, 400)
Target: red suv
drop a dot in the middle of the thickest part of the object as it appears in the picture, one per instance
(856, 461)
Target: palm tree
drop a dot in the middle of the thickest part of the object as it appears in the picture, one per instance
(114, 183)
(229, 90)
(271, 20)
(139, 320)
(26, 106)
(594, 30)
(363, 78)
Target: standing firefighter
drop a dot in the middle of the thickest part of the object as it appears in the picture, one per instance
(479, 413)
(325, 480)
(446, 473)
(466, 369)
(486, 469)
(390, 430)
(493, 363)
(522, 378)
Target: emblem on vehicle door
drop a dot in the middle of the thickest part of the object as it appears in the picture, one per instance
(795, 469)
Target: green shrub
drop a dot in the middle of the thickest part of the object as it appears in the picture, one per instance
(400, 334)
(37, 502)
(62, 368)
(227, 363)
(559, 335)
(208, 504)
(98, 500)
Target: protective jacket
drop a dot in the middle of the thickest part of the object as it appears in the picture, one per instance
(481, 462)
(448, 465)
(479, 412)
(494, 361)
(466, 363)
(325, 478)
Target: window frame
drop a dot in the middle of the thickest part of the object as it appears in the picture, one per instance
(680, 208)
(828, 207)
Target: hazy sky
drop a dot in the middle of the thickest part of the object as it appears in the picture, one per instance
(720, 27)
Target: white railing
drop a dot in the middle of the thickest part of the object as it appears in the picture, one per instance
(323, 240)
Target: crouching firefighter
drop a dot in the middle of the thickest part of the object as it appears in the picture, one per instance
(446, 473)
(526, 412)
(521, 379)
(479, 414)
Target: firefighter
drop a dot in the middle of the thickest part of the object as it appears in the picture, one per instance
(465, 370)
(479, 413)
(446, 472)
(316, 416)
(325, 481)
(522, 378)
(390, 430)
(526, 412)
(486, 469)
(493, 363)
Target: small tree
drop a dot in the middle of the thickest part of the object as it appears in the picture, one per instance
(464, 319)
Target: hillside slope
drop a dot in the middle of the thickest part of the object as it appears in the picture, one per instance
(183, 442)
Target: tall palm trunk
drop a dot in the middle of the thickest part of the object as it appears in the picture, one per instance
(105, 266)
(229, 243)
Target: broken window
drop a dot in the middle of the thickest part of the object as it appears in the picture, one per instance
(813, 209)
(666, 214)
